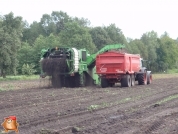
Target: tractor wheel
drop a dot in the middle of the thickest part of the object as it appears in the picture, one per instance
(62, 80)
(72, 81)
(142, 79)
(75, 80)
(82, 80)
(89, 80)
(149, 78)
(132, 80)
(126, 81)
(56, 81)
(66, 81)
(104, 83)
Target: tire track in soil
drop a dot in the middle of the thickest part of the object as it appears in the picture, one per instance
(25, 100)
(57, 100)
(61, 101)
(27, 97)
(152, 118)
(122, 120)
(155, 125)
(127, 118)
(170, 125)
(89, 98)
(115, 125)
(88, 116)
(74, 111)
(30, 94)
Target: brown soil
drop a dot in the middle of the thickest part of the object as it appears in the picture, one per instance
(41, 109)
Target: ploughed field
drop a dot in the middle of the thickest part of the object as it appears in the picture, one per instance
(41, 109)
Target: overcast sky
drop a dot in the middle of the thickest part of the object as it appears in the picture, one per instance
(133, 17)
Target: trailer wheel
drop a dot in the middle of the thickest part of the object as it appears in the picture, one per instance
(133, 80)
(149, 78)
(104, 83)
(142, 79)
(126, 81)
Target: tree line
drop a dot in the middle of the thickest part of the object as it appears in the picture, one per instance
(21, 43)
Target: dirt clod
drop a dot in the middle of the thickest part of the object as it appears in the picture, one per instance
(156, 105)
(75, 129)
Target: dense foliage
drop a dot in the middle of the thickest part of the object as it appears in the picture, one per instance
(10, 41)
(21, 43)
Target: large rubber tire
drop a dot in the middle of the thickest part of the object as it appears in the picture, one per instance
(122, 82)
(82, 80)
(56, 81)
(75, 80)
(142, 79)
(149, 78)
(104, 83)
(126, 81)
(72, 81)
(132, 80)
(66, 81)
(89, 80)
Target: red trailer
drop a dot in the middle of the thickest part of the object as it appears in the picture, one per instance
(113, 67)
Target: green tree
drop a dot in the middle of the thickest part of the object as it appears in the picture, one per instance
(168, 52)
(150, 40)
(25, 56)
(137, 47)
(30, 33)
(81, 21)
(77, 36)
(100, 37)
(60, 19)
(48, 24)
(28, 69)
(115, 34)
(10, 35)
(54, 23)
